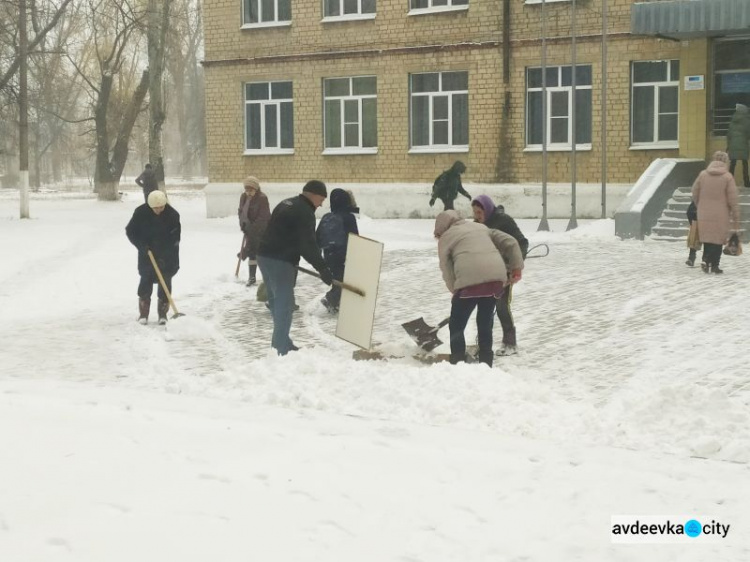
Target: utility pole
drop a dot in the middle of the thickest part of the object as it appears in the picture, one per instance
(23, 109)
(604, 109)
(573, 223)
(544, 223)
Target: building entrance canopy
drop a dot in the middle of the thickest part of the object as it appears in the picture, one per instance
(686, 19)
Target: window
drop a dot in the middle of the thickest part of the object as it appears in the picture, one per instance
(440, 111)
(269, 123)
(731, 81)
(349, 9)
(559, 104)
(654, 103)
(266, 12)
(350, 114)
(438, 5)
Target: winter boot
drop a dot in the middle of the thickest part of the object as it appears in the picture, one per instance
(144, 305)
(162, 308)
(251, 279)
(715, 269)
(506, 349)
(704, 267)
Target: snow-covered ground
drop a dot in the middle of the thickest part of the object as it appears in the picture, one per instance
(194, 442)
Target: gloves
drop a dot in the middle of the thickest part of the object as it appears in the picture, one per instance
(432, 201)
(515, 276)
(326, 276)
(468, 197)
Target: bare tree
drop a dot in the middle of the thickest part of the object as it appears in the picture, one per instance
(158, 25)
(185, 44)
(113, 25)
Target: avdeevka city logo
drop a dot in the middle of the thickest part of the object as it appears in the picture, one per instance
(693, 528)
(667, 529)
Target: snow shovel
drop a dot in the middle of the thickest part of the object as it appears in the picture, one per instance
(424, 335)
(336, 282)
(239, 257)
(164, 286)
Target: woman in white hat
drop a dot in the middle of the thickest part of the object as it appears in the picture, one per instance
(155, 226)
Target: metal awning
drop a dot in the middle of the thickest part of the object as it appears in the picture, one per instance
(685, 19)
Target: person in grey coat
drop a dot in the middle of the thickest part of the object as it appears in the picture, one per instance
(738, 136)
(715, 196)
(475, 273)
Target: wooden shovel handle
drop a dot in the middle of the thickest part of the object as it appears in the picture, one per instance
(336, 282)
(163, 283)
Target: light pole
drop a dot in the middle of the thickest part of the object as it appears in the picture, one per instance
(573, 223)
(604, 109)
(544, 223)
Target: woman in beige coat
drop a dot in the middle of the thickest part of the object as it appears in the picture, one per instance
(472, 260)
(715, 195)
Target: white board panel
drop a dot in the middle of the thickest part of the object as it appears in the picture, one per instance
(356, 313)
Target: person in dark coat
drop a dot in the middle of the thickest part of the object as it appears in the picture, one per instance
(147, 180)
(155, 226)
(693, 241)
(492, 216)
(254, 214)
(289, 236)
(448, 185)
(738, 139)
(333, 237)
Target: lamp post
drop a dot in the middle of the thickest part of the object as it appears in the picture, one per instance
(573, 223)
(544, 223)
(604, 109)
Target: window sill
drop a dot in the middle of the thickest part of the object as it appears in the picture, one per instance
(269, 152)
(348, 17)
(437, 149)
(266, 24)
(565, 148)
(656, 146)
(546, 2)
(349, 151)
(438, 10)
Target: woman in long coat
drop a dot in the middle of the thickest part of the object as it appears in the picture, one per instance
(254, 214)
(715, 195)
(738, 139)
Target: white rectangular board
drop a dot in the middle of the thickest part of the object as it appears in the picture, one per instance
(356, 313)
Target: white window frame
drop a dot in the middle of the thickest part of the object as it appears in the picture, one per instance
(276, 22)
(671, 82)
(432, 147)
(359, 15)
(266, 150)
(359, 149)
(432, 9)
(531, 2)
(551, 90)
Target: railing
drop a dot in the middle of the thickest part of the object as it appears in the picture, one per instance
(720, 119)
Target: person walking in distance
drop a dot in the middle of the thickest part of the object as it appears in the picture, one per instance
(254, 214)
(448, 185)
(155, 226)
(147, 180)
(289, 236)
(492, 216)
(738, 141)
(715, 196)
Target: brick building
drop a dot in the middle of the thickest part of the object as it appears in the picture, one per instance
(396, 90)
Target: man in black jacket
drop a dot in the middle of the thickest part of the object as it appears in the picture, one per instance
(155, 226)
(147, 180)
(289, 236)
(448, 185)
(486, 212)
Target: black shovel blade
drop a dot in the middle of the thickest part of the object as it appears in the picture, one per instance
(424, 335)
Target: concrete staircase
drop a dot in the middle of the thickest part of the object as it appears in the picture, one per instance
(673, 226)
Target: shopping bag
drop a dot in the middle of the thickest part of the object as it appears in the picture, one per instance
(734, 246)
(693, 240)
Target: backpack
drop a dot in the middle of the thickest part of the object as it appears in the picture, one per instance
(332, 236)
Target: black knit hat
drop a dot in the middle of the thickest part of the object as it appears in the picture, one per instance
(317, 187)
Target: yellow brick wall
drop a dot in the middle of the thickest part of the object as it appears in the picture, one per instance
(394, 29)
